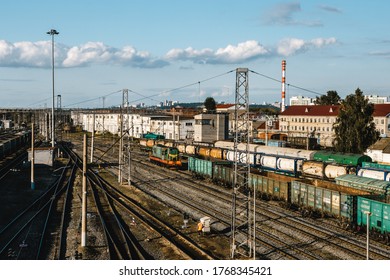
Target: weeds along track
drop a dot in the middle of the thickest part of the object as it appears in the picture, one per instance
(319, 241)
(37, 231)
(278, 229)
(120, 214)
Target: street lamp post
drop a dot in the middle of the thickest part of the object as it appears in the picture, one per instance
(52, 32)
(368, 213)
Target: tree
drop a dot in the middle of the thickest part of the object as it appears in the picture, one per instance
(210, 104)
(354, 127)
(331, 98)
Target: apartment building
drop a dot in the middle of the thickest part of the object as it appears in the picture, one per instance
(317, 121)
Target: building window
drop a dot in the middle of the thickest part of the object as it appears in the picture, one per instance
(203, 122)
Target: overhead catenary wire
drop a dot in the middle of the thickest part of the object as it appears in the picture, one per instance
(290, 85)
(144, 96)
(92, 99)
(185, 86)
(157, 94)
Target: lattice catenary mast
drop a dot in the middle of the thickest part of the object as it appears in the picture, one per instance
(243, 220)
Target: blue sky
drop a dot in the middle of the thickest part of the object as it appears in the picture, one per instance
(156, 48)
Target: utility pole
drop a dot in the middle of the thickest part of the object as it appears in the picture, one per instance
(32, 157)
(52, 32)
(368, 213)
(243, 220)
(93, 136)
(120, 148)
(84, 196)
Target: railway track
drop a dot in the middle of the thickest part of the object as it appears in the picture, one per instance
(313, 236)
(27, 235)
(287, 226)
(122, 243)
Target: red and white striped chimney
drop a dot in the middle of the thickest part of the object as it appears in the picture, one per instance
(283, 107)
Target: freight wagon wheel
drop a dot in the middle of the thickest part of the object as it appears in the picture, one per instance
(387, 239)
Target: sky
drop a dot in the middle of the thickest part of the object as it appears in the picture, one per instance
(187, 51)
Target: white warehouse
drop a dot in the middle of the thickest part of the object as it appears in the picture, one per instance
(136, 124)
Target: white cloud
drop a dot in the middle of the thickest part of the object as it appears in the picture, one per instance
(38, 54)
(245, 51)
(25, 54)
(291, 46)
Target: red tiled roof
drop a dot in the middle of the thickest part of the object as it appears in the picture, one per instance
(224, 106)
(311, 110)
(380, 110)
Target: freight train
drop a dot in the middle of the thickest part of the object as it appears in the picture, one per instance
(346, 199)
(11, 142)
(288, 161)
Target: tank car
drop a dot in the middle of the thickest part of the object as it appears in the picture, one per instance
(190, 150)
(374, 174)
(217, 153)
(181, 147)
(327, 171)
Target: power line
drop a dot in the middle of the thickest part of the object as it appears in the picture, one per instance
(157, 94)
(93, 99)
(291, 85)
(38, 102)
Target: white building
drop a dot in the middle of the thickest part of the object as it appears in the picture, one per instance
(301, 100)
(136, 124)
(211, 127)
(375, 99)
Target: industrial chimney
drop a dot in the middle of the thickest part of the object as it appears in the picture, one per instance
(283, 85)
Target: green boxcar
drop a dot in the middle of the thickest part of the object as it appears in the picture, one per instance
(223, 175)
(200, 167)
(274, 188)
(341, 158)
(204, 168)
(328, 201)
(380, 214)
